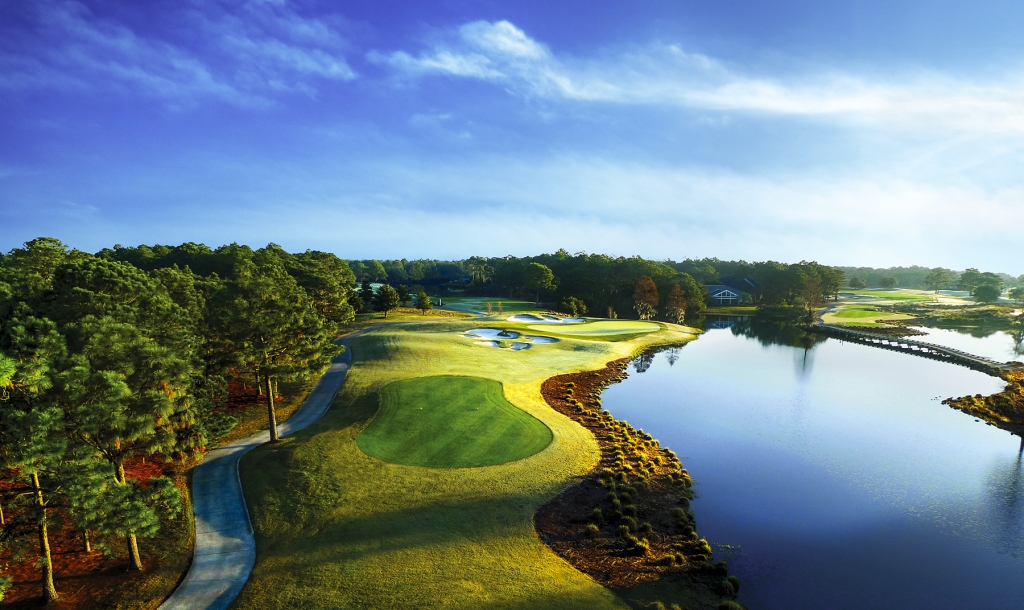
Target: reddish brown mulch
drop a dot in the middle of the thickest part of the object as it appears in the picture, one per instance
(645, 477)
(79, 576)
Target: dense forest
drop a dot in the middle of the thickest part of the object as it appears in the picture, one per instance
(126, 354)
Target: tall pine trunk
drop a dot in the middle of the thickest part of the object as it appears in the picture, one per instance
(134, 559)
(271, 415)
(133, 552)
(88, 543)
(49, 590)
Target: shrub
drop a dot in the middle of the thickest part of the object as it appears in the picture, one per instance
(721, 567)
(623, 531)
(629, 509)
(729, 605)
(735, 583)
(642, 546)
(646, 528)
(658, 606)
(679, 514)
(629, 522)
(725, 588)
(593, 530)
(667, 560)
(616, 504)
(612, 496)
(679, 558)
(597, 516)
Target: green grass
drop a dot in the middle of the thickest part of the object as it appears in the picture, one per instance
(861, 315)
(336, 528)
(892, 295)
(857, 312)
(479, 305)
(598, 329)
(450, 422)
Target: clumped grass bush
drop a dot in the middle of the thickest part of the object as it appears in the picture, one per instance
(597, 516)
(630, 522)
(642, 546)
(629, 510)
(667, 560)
(735, 582)
(623, 531)
(592, 530)
(646, 528)
(730, 605)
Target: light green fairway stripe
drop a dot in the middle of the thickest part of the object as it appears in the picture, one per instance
(450, 422)
(598, 329)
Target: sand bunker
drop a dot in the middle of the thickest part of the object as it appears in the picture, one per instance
(491, 333)
(540, 318)
(540, 339)
(496, 337)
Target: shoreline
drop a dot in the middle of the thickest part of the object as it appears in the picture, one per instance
(627, 522)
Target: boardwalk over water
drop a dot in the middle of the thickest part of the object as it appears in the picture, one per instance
(918, 348)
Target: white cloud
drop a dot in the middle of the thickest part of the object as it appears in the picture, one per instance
(270, 48)
(666, 75)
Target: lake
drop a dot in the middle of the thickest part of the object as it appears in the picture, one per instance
(830, 475)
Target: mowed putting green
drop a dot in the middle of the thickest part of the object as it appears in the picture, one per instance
(607, 328)
(450, 422)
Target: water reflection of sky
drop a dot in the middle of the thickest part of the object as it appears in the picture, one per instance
(998, 345)
(838, 472)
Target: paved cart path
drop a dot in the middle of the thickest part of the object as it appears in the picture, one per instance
(225, 548)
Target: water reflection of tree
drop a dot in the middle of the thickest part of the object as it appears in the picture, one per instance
(777, 331)
(1005, 490)
(672, 355)
(643, 362)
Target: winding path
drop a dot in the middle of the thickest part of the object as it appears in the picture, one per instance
(225, 548)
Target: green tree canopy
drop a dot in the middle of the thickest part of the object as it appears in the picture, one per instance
(386, 300)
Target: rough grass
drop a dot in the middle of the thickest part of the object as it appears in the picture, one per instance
(598, 329)
(479, 305)
(336, 528)
(450, 422)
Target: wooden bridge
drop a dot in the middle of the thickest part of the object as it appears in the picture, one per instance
(918, 348)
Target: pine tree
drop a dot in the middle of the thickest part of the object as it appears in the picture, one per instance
(274, 329)
(32, 424)
(386, 300)
(423, 302)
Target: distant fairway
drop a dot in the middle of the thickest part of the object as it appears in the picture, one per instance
(450, 422)
(856, 312)
(608, 328)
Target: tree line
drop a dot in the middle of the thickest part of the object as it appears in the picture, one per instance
(126, 354)
(769, 283)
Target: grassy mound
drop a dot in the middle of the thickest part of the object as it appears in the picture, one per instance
(599, 329)
(448, 421)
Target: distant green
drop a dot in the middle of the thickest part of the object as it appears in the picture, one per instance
(450, 422)
(894, 296)
(854, 312)
(599, 329)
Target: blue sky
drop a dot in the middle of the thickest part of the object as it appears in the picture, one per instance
(868, 133)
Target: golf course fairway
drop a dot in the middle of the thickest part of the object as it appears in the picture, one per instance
(450, 422)
(608, 328)
(337, 527)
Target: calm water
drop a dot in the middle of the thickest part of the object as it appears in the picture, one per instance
(831, 476)
(1000, 345)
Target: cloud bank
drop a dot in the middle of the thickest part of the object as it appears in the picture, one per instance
(662, 74)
